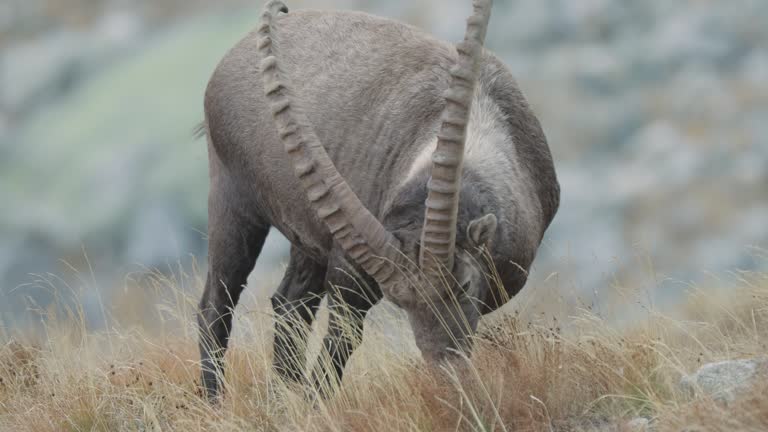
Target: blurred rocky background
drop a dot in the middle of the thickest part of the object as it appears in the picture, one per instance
(656, 112)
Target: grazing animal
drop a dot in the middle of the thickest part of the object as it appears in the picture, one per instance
(397, 165)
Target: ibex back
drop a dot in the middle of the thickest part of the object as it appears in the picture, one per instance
(397, 165)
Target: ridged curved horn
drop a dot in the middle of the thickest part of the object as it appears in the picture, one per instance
(438, 236)
(355, 229)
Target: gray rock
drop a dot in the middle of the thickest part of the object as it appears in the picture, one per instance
(725, 381)
(639, 424)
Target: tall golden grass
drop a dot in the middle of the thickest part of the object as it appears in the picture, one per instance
(528, 372)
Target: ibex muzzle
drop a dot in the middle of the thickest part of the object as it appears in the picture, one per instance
(379, 152)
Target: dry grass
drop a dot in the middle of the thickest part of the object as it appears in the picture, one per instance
(544, 374)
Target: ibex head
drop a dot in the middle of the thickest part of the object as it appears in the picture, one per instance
(428, 275)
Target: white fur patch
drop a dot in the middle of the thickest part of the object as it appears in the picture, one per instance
(484, 133)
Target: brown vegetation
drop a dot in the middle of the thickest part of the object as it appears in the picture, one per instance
(543, 374)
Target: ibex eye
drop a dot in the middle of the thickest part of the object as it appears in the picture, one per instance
(465, 286)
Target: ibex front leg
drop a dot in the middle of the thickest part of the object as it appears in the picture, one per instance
(295, 303)
(351, 294)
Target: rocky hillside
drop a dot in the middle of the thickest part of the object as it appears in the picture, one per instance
(656, 113)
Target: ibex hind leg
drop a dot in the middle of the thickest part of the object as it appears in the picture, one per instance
(234, 244)
(295, 304)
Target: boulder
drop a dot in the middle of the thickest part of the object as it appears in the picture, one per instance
(639, 424)
(726, 380)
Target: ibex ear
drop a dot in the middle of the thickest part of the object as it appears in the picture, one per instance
(481, 231)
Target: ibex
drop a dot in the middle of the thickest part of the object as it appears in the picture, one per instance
(414, 166)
